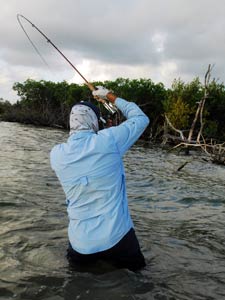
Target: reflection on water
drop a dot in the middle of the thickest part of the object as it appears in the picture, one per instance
(179, 219)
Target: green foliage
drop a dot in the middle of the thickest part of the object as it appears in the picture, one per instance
(179, 113)
(181, 102)
(215, 106)
(4, 107)
(48, 103)
(211, 129)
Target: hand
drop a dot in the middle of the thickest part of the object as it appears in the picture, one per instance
(101, 92)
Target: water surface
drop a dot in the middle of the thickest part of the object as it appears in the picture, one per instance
(179, 219)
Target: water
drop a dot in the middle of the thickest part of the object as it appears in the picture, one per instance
(179, 219)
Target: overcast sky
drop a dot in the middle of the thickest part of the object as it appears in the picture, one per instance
(161, 40)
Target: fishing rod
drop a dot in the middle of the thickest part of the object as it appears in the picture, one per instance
(108, 105)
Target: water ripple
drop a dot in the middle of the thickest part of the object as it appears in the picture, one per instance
(178, 216)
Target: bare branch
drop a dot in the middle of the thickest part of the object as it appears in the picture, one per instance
(207, 80)
(212, 149)
(175, 129)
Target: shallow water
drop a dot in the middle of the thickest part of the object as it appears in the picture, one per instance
(179, 219)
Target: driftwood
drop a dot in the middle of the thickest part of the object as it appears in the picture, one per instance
(215, 151)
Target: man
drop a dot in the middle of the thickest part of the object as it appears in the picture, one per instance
(90, 169)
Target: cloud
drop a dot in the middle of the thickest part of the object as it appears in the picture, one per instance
(160, 39)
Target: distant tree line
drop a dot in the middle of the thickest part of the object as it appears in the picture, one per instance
(47, 103)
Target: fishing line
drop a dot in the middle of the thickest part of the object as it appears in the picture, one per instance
(35, 48)
(49, 41)
(109, 106)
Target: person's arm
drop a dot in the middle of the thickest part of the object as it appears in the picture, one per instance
(128, 132)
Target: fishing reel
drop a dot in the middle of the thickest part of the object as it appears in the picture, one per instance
(112, 109)
(111, 117)
(109, 106)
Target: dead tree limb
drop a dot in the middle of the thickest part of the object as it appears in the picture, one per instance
(214, 150)
(182, 137)
(206, 85)
(199, 111)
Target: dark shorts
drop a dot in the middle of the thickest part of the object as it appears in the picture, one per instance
(125, 254)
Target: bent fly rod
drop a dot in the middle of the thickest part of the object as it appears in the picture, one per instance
(109, 106)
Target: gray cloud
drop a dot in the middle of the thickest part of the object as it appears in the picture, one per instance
(164, 39)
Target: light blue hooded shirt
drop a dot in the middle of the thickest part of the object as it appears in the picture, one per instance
(90, 169)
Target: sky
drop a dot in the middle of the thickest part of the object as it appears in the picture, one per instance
(161, 40)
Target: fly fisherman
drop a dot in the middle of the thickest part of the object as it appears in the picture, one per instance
(90, 169)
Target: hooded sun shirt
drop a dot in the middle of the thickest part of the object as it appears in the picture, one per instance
(83, 117)
(90, 169)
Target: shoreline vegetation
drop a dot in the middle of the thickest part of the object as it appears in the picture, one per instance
(184, 116)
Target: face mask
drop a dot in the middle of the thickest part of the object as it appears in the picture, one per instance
(83, 117)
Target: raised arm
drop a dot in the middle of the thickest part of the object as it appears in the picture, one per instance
(128, 132)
